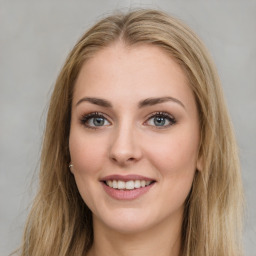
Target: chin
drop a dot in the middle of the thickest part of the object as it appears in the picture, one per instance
(129, 227)
(128, 221)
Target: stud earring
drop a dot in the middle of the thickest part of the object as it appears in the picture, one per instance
(71, 168)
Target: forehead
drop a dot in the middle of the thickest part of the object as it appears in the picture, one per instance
(121, 72)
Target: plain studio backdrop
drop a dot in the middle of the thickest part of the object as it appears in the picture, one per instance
(35, 38)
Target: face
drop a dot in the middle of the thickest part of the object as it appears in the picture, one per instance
(134, 137)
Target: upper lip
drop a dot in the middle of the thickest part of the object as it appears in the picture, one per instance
(126, 177)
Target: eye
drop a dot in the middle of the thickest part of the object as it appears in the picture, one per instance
(160, 120)
(94, 120)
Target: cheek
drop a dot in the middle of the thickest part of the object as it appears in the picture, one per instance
(174, 157)
(86, 152)
(87, 155)
(174, 154)
(175, 162)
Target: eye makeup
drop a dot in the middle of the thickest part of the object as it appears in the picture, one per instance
(94, 120)
(161, 120)
(158, 120)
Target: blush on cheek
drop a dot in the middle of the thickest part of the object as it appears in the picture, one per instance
(174, 160)
(85, 156)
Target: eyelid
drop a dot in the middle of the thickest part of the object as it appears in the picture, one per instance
(160, 113)
(85, 117)
(171, 118)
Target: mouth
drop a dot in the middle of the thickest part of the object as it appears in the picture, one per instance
(128, 185)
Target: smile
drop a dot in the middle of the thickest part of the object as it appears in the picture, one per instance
(128, 185)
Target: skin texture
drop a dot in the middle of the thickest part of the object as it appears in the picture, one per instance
(129, 142)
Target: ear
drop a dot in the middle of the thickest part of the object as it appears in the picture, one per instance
(71, 167)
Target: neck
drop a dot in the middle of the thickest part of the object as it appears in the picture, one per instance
(162, 240)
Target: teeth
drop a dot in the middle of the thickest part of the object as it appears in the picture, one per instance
(137, 184)
(129, 185)
(110, 183)
(121, 184)
(114, 184)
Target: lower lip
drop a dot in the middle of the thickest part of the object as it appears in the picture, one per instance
(121, 194)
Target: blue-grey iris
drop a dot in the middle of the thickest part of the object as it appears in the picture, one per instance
(159, 121)
(98, 121)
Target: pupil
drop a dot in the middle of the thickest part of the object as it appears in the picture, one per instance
(98, 121)
(159, 121)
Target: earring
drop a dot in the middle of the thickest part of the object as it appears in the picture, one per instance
(71, 168)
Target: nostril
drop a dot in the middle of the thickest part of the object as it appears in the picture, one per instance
(122, 160)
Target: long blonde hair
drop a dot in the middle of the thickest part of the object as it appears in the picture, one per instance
(60, 223)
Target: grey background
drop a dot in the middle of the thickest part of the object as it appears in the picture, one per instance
(35, 38)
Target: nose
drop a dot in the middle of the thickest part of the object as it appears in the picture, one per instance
(125, 148)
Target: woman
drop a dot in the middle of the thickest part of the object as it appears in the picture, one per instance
(139, 156)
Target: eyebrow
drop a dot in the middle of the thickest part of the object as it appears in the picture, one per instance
(143, 103)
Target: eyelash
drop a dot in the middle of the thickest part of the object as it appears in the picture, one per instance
(87, 117)
(165, 115)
